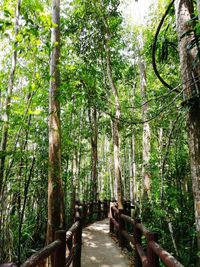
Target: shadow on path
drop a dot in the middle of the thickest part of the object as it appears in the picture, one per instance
(99, 249)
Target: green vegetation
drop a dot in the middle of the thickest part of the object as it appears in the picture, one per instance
(107, 88)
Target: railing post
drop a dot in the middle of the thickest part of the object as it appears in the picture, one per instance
(153, 259)
(105, 208)
(78, 241)
(99, 210)
(90, 211)
(116, 217)
(128, 206)
(111, 216)
(59, 258)
(125, 206)
(84, 218)
(137, 240)
(69, 243)
(76, 206)
(121, 228)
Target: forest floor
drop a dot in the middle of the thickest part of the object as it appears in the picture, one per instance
(99, 249)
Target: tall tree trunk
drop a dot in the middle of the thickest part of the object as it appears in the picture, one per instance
(117, 114)
(133, 190)
(133, 185)
(74, 181)
(26, 188)
(55, 194)
(6, 116)
(160, 149)
(191, 86)
(146, 180)
(115, 124)
(126, 180)
(94, 145)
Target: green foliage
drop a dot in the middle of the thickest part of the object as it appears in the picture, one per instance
(83, 88)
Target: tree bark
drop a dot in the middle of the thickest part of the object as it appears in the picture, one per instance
(191, 86)
(55, 194)
(117, 116)
(115, 124)
(133, 189)
(146, 179)
(94, 146)
(133, 184)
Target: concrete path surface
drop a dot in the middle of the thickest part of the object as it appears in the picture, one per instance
(99, 249)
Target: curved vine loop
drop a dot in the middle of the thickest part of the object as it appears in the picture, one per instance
(154, 49)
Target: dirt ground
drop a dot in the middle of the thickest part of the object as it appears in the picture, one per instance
(99, 249)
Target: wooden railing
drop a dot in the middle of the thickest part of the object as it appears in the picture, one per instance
(148, 257)
(129, 231)
(92, 211)
(71, 240)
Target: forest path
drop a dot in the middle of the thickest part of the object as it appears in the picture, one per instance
(99, 249)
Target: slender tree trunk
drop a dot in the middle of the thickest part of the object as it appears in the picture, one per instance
(165, 156)
(74, 181)
(108, 167)
(117, 114)
(116, 125)
(198, 8)
(6, 116)
(80, 153)
(55, 194)
(160, 150)
(94, 146)
(26, 188)
(133, 185)
(146, 179)
(191, 86)
(133, 171)
(127, 178)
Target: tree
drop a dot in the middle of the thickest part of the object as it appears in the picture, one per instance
(146, 179)
(117, 110)
(191, 88)
(55, 194)
(94, 145)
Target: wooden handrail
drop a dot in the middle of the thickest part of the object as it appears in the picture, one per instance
(149, 257)
(72, 238)
(143, 256)
(71, 230)
(167, 258)
(58, 247)
(71, 255)
(128, 219)
(42, 254)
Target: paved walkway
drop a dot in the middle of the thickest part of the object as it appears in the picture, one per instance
(99, 249)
